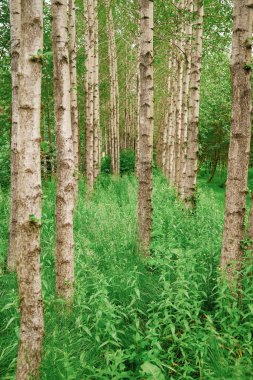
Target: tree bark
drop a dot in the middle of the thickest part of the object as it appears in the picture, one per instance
(89, 89)
(15, 22)
(137, 143)
(49, 126)
(29, 192)
(239, 150)
(178, 135)
(96, 158)
(114, 93)
(168, 136)
(185, 95)
(64, 264)
(172, 123)
(73, 87)
(146, 127)
(189, 188)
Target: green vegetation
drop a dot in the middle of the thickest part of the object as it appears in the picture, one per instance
(163, 318)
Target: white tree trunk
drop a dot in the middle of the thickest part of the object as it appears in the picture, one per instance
(73, 86)
(239, 150)
(189, 189)
(146, 127)
(114, 93)
(172, 123)
(186, 83)
(89, 89)
(64, 264)
(29, 191)
(137, 143)
(96, 154)
(15, 21)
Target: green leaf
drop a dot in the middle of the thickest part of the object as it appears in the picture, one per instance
(151, 369)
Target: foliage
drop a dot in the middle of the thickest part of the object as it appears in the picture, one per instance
(166, 317)
(127, 162)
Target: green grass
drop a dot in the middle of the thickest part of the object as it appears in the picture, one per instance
(167, 317)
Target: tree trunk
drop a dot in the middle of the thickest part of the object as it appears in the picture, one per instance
(29, 192)
(172, 124)
(178, 135)
(189, 188)
(239, 150)
(73, 87)
(167, 139)
(185, 95)
(96, 159)
(146, 127)
(89, 89)
(15, 21)
(137, 143)
(64, 264)
(213, 169)
(49, 126)
(114, 93)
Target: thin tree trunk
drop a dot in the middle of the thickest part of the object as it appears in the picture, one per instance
(15, 21)
(168, 136)
(186, 83)
(49, 126)
(213, 169)
(239, 150)
(164, 141)
(73, 86)
(114, 93)
(29, 192)
(96, 159)
(146, 127)
(89, 125)
(64, 264)
(178, 135)
(189, 190)
(138, 95)
(172, 124)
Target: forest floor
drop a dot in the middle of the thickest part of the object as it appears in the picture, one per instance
(166, 317)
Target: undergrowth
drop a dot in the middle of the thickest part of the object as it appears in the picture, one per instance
(166, 317)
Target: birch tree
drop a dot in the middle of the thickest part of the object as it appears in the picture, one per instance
(114, 93)
(189, 188)
(146, 126)
(137, 143)
(64, 263)
(73, 86)
(15, 22)
(239, 150)
(89, 92)
(185, 94)
(29, 191)
(96, 116)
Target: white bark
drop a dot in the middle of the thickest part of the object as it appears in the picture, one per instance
(189, 188)
(185, 95)
(15, 21)
(114, 93)
(73, 86)
(89, 89)
(29, 192)
(146, 127)
(64, 264)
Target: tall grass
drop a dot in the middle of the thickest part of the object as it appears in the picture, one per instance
(167, 317)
